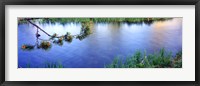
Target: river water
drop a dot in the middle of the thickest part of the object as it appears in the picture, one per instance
(107, 41)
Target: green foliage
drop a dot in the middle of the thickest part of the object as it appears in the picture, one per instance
(178, 60)
(22, 22)
(161, 59)
(48, 64)
(53, 65)
(81, 20)
(86, 28)
(68, 37)
(64, 20)
(45, 45)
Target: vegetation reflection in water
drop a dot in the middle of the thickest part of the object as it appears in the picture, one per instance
(161, 59)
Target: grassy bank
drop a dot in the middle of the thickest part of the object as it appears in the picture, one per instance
(161, 59)
(65, 20)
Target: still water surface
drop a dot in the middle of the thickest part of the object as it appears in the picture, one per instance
(107, 41)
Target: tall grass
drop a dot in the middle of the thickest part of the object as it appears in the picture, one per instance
(53, 65)
(162, 59)
(47, 64)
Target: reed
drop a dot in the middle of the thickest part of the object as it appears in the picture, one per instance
(162, 59)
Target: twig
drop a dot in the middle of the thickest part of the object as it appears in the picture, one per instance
(38, 27)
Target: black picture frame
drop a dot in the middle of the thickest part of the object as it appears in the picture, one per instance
(99, 2)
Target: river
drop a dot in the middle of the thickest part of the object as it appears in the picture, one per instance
(107, 41)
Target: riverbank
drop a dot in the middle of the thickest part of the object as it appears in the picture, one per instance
(65, 20)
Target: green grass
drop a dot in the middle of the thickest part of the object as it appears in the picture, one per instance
(80, 20)
(53, 65)
(47, 64)
(161, 59)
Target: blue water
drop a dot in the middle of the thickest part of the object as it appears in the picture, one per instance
(107, 41)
